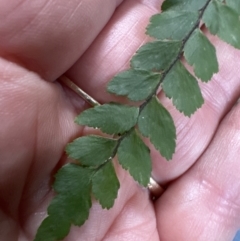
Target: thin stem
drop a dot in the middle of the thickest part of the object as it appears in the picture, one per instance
(201, 12)
(93, 102)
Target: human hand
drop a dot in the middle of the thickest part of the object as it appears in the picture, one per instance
(90, 41)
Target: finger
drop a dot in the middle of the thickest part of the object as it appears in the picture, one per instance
(49, 36)
(204, 204)
(36, 124)
(111, 53)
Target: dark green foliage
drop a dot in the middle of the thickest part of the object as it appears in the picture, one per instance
(70, 206)
(134, 156)
(91, 150)
(156, 123)
(52, 229)
(111, 118)
(183, 88)
(234, 4)
(157, 55)
(201, 54)
(186, 5)
(135, 84)
(105, 185)
(172, 25)
(224, 22)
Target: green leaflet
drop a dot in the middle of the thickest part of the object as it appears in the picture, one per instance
(91, 150)
(183, 88)
(156, 123)
(172, 25)
(186, 5)
(73, 187)
(157, 55)
(52, 229)
(110, 118)
(71, 204)
(201, 54)
(134, 156)
(234, 4)
(105, 185)
(224, 22)
(135, 84)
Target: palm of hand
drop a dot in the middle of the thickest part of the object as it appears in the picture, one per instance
(37, 122)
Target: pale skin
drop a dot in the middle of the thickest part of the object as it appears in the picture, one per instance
(90, 41)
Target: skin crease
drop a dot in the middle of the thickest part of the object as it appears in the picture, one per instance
(91, 41)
